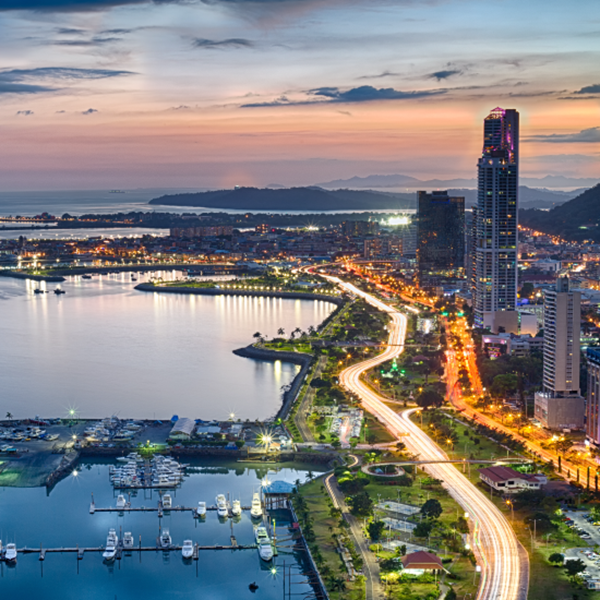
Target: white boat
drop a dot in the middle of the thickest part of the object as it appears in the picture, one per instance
(10, 554)
(128, 540)
(165, 539)
(167, 501)
(256, 508)
(201, 511)
(236, 508)
(111, 546)
(121, 501)
(265, 548)
(222, 506)
(187, 550)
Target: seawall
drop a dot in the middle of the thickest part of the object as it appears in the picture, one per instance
(20, 275)
(148, 287)
(297, 358)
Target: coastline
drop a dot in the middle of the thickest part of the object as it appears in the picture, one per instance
(297, 358)
(148, 287)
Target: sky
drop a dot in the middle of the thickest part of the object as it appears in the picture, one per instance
(110, 94)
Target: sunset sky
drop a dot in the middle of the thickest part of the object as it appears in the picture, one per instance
(118, 93)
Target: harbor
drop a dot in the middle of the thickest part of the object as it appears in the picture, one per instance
(66, 537)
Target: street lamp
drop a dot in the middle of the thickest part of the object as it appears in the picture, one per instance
(512, 510)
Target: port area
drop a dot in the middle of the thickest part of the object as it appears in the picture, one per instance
(38, 452)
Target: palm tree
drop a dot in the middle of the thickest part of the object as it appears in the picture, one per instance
(281, 331)
(9, 416)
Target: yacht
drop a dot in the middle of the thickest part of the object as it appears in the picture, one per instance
(10, 553)
(167, 501)
(128, 540)
(111, 546)
(86, 277)
(58, 291)
(165, 539)
(236, 509)
(256, 508)
(201, 510)
(121, 502)
(265, 548)
(222, 506)
(187, 550)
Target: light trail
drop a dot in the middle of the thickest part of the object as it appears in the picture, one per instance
(504, 566)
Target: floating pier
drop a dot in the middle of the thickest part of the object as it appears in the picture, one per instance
(159, 509)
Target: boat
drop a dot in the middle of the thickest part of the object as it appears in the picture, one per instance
(10, 554)
(58, 291)
(187, 550)
(265, 548)
(253, 587)
(256, 508)
(222, 506)
(121, 502)
(128, 540)
(236, 509)
(38, 291)
(167, 501)
(111, 546)
(165, 539)
(201, 510)
(86, 277)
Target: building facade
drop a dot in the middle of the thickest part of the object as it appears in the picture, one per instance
(592, 409)
(441, 234)
(495, 220)
(560, 405)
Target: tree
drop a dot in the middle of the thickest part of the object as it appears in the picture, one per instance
(428, 398)
(504, 385)
(432, 509)
(556, 558)
(375, 529)
(361, 504)
(423, 529)
(451, 594)
(574, 567)
(9, 416)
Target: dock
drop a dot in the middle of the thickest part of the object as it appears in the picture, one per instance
(160, 509)
(80, 551)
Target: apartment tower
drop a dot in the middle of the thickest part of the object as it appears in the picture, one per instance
(496, 233)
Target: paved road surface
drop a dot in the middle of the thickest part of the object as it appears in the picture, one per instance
(504, 562)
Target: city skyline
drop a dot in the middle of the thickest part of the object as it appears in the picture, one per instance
(130, 94)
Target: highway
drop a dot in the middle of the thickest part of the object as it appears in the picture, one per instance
(504, 563)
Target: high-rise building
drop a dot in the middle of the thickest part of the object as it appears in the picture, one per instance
(441, 234)
(496, 242)
(560, 404)
(592, 408)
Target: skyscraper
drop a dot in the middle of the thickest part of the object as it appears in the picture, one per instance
(496, 217)
(441, 234)
(560, 404)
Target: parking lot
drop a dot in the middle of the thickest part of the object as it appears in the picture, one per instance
(592, 563)
(582, 523)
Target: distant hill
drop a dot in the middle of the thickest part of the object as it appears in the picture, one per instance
(405, 181)
(528, 197)
(576, 219)
(301, 199)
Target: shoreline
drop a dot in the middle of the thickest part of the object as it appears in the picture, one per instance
(148, 287)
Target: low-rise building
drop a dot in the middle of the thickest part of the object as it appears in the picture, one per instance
(508, 481)
(416, 563)
(182, 429)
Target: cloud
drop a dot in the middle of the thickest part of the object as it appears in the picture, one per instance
(89, 111)
(25, 113)
(95, 41)
(34, 81)
(364, 93)
(229, 43)
(385, 73)
(586, 136)
(439, 75)
(589, 89)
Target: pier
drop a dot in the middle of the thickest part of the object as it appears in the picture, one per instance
(160, 509)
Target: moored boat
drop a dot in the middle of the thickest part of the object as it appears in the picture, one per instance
(256, 508)
(165, 539)
(167, 502)
(201, 510)
(187, 550)
(222, 506)
(121, 502)
(111, 546)
(128, 540)
(236, 508)
(10, 553)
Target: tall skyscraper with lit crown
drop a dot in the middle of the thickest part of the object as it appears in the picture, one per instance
(496, 234)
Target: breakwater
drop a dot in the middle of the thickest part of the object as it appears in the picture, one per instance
(210, 291)
(21, 275)
(297, 358)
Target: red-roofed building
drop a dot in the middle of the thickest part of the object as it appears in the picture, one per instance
(509, 481)
(418, 562)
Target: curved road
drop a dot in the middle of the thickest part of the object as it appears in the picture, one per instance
(504, 563)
